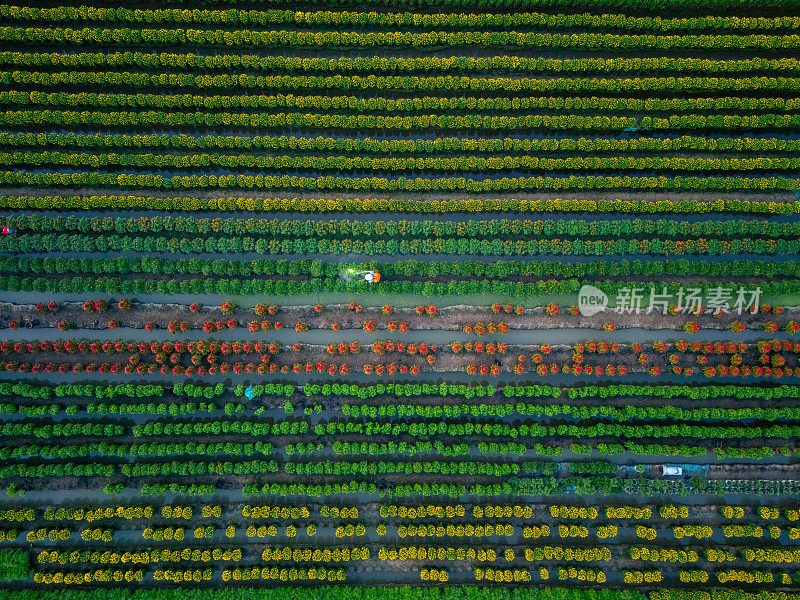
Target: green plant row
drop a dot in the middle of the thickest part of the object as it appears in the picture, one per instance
(694, 392)
(338, 121)
(418, 448)
(534, 430)
(460, 64)
(382, 467)
(237, 227)
(393, 19)
(405, 83)
(392, 247)
(366, 205)
(622, 390)
(36, 390)
(67, 469)
(195, 468)
(541, 269)
(398, 389)
(647, 5)
(340, 163)
(42, 430)
(415, 104)
(412, 449)
(59, 451)
(620, 413)
(247, 287)
(470, 426)
(334, 39)
(503, 269)
(506, 146)
(369, 184)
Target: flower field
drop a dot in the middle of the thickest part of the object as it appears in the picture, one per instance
(389, 300)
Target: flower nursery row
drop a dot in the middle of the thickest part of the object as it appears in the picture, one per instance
(149, 119)
(39, 179)
(395, 82)
(471, 228)
(505, 146)
(382, 104)
(391, 245)
(336, 38)
(460, 64)
(453, 20)
(341, 163)
(367, 205)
